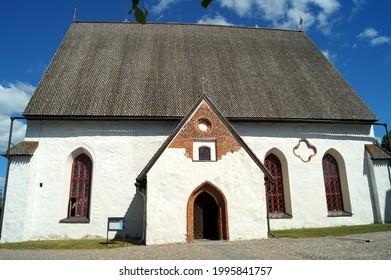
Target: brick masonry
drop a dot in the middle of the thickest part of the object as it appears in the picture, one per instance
(225, 141)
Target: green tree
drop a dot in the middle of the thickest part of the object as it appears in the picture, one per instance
(141, 13)
(384, 142)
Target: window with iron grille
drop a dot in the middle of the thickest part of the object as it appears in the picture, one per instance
(204, 153)
(80, 189)
(275, 196)
(332, 184)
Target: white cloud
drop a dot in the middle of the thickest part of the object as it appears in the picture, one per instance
(13, 99)
(368, 33)
(163, 5)
(357, 6)
(242, 7)
(287, 13)
(272, 10)
(372, 36)
(218, 19)
(40, 68)
(2, 182)
(18, 132)
(319, 14)
(327, 6)
(159, 18)
(380, 40)
(330, 56)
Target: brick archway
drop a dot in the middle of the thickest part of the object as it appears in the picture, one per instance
(222, 215)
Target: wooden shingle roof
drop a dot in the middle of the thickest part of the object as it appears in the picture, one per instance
(130, 70)
(24, 148)
(377, 153)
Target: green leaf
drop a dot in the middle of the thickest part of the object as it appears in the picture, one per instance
(140, 16)
(205, 3)
(135, 4)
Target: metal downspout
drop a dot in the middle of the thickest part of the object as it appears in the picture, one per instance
(142, 240)
(7, 175)
(267, 210)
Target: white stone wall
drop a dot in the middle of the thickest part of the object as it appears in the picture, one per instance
(20, 200)
(382, 170)
(120, 150)
(308, 199)
(174, 177)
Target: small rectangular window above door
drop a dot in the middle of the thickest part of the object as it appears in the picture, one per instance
(204, 150)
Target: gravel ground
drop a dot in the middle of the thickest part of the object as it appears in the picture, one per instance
(373, 246)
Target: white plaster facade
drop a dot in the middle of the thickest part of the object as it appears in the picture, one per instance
(174, 177)
(380, 180)
(118, 151)
(305, 180)
(38, 189)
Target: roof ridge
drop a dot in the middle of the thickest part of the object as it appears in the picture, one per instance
(250, 74)
(190, 24)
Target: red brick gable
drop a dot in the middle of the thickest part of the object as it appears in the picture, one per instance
(216, 130)
(215, 127)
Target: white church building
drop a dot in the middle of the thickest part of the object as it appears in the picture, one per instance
(192, 132)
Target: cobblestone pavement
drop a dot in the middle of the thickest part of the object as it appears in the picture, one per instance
(373, 246)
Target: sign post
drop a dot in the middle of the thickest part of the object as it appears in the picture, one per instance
(116, 224)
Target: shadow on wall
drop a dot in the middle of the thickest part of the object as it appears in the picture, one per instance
(21, 160)
(387, 214)
(133, 220)
(387, 210)
(369, 173)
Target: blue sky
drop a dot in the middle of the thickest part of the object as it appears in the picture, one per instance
(354, 34)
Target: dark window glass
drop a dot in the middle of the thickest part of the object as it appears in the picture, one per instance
(80, 187)
(275, 195)
(332, 183)
(204, 153)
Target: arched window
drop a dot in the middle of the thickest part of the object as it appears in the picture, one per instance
(80, 189)
(332, 184)
(275, 196)
(204, 153)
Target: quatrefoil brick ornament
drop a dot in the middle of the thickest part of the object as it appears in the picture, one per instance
(304, 150)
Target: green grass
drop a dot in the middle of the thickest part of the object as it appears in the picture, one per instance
(83, 244)
(331, 231)
(78, 244)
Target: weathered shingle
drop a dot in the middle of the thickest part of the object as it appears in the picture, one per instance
(154, 70)
(377, 153)
(25, 148)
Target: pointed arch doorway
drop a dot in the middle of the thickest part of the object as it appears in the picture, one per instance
(207, 214)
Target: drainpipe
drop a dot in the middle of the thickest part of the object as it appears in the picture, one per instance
(7, 174)
(139, 185)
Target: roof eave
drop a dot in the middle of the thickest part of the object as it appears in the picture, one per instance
(231, 119)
